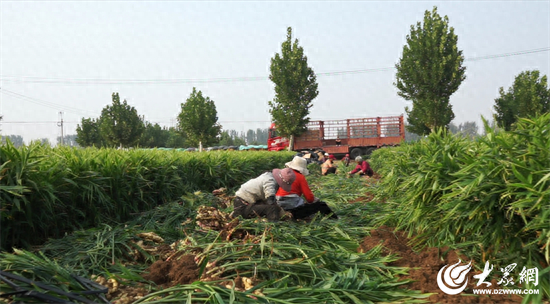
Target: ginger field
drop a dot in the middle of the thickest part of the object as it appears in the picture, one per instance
(107, 226)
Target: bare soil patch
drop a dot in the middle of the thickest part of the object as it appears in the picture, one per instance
(180, 269)
(425, 265)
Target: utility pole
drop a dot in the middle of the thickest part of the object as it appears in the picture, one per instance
(60, 124)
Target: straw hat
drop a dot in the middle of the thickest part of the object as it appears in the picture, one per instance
(299, 164)
(284, 178)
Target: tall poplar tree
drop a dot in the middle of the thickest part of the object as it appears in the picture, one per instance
(429, 72)
(295, 88)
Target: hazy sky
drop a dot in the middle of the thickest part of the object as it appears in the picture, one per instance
(71, 56)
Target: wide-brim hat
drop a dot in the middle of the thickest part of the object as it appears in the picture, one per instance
(299, 164)
(284, 178)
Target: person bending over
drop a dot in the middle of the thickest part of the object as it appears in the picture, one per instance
(362, 167)
(256, 197)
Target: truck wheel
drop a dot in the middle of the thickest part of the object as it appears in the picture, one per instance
(355, 152)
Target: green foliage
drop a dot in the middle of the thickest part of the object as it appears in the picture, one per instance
(88, 133)
(489, 195)
(154, 136)
(198, 120)
(293, 262)
(295, 88)
(409, 136)
(68, 140)
(175, 139)
(468, 129)
(429, 72)
(46, 191)
(16, 140)
(226, 139)
(120, 124)
(233, 138)
(528, 96)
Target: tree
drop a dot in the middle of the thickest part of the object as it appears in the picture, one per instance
(198, 120)
(120, 123)
(154, 136)
(250, 137)
(175, 139)
(295, 88)
(410, 137)
(225, 139)
(453, 128)
(16, 140)
(429, 72)
(68, 140)
(42, 141)
(262, 135)
(468, 128)
(238, 140)
(88, 134)
(528, 96)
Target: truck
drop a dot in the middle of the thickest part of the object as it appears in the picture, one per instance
(354, 136)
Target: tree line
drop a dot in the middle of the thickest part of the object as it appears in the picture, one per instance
(155, 136)
(120, 125)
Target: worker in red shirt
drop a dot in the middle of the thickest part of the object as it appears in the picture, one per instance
(292, 200)
(363, 167)
(346, 160)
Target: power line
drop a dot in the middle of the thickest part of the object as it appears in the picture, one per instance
(101, 81)
(546, 49)
(45, 103)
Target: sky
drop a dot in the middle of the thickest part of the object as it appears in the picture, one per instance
(70, 56)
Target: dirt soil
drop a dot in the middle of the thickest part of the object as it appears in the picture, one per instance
(425, 266)
(177, 270)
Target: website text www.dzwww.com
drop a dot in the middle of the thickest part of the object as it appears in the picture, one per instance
(506, 291)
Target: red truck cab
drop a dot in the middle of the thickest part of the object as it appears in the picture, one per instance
(274, 141)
